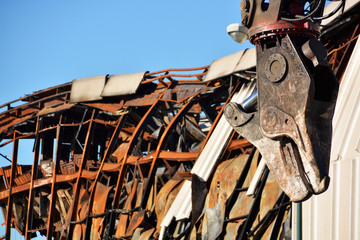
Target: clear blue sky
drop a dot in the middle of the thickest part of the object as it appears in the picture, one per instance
(46, 43)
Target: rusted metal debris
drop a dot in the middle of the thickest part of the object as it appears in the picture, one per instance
(113, 167)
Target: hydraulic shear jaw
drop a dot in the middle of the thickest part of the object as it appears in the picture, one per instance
(292, 126)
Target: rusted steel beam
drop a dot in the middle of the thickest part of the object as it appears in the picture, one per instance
(181, 92)
(107, 153)
(131, 144)
(53, 194)
(11, 123)
(108, 107)
(123, 220)
(76, 193)
(31, 104)
(190, 81)
(241, 180)
(177, 70)
(173, 75)
(108, 167)
(238, 143)
(30, 135)
(164, 155)
(141, 125)
(244, 231)
(183, 99)
(36, 94)
(347, 53)
(161, 79)
(90, 175)
(36, 149)
(161, 142)
(10, 198)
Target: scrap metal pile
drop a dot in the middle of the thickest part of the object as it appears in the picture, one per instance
(111, 166)
(146, 156)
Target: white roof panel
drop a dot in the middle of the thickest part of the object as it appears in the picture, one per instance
(123, 84)
(87, 89)
(230, 64)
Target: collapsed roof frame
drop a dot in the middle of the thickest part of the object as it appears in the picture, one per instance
(45, 113)
(183, 98)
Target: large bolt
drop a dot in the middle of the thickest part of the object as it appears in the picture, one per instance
(275, 67)
(229, 111)
(235, 115)
(269, 119)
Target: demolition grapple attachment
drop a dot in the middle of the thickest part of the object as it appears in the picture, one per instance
(296, 94)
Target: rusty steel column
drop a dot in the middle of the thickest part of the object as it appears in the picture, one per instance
(53, 194)
(108, 151)
(36, 149)
(171, 125)
(12, 176)
(123, 168)
(77, 186)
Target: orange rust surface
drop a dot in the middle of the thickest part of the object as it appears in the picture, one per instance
(144, 164)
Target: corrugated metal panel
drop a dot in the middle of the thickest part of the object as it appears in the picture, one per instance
(123, 84)
(87, 89)
(335, 214)
(230, 64)
(184, 196)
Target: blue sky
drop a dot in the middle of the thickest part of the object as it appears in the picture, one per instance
(46, 43)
